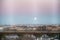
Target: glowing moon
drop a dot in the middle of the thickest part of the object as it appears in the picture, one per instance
(35, 18)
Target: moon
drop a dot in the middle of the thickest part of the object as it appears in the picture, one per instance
(35, 18)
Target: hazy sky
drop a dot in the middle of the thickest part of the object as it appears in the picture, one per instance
(29, 12)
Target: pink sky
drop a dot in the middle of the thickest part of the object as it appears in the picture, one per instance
(29, 6)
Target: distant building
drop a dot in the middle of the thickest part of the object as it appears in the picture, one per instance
(1, 29)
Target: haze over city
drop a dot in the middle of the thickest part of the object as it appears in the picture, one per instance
(29, 12)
